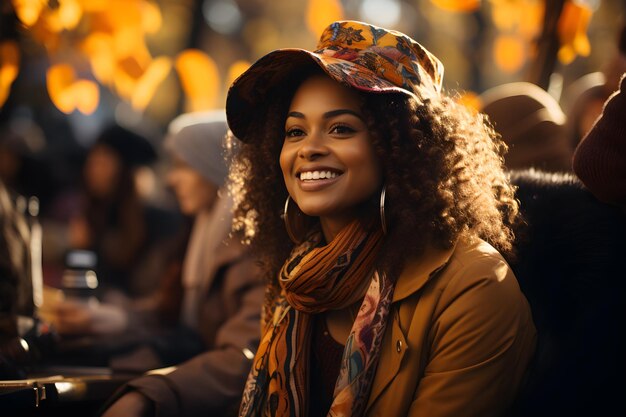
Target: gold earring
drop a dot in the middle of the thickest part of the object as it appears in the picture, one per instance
(383, 220)
(296, 225)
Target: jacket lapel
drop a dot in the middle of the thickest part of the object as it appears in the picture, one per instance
(417, 272)
(414, 276)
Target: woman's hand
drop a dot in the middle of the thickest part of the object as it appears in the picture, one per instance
(132, 404)
(74, 318)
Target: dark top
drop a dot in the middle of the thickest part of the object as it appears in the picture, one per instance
(325, 363)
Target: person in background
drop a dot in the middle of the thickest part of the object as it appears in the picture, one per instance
(15, 260)
(569, 264)
(16, 296)
(15, 285)
(600, 158)
(584, 98)
(385, 296)
(115, 221)
(25, 341)
(532, 125)
(217, 294)
(600, 163)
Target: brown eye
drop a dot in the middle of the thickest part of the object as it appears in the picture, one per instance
(294, 133)
(341, 129)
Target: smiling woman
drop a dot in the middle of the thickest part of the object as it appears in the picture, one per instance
(386, 294)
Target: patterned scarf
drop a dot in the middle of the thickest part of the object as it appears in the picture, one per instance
(314, 279)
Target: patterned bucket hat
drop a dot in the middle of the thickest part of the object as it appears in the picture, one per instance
(357, 54)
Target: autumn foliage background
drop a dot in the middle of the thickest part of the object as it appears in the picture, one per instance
(69, 66)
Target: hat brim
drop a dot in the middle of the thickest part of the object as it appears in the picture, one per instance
(253, 88)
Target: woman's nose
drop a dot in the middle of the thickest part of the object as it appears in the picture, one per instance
(312, 146)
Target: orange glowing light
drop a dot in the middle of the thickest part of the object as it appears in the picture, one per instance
(531, 19)
(509, 53)
(65, 17)
(470, 100)
(127, 74)
(98, 47)
(94, 6)
(59, 80)
(199, 78)
(69, 94)
(152, 20)
(321, 13)
(462, 6)
(149, 82)
(86, 96)
(9, 67)
(572, 29)
(28, 11)
(504, 14)
(129, 41)
(9, 61)
(236, 69)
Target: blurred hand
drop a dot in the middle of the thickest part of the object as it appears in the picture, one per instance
(74, 318)
(132, 404)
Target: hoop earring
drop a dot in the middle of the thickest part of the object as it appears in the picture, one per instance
(296, 226)
(383, 220)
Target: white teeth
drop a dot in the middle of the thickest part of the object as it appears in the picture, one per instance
(317, 175)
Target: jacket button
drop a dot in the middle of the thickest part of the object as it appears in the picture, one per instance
(399, 346)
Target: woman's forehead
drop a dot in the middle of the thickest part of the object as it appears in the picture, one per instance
(320, 92)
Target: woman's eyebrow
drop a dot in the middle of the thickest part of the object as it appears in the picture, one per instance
(338, 112)
(327, 115)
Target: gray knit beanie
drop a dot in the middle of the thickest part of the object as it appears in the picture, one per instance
(198, 139)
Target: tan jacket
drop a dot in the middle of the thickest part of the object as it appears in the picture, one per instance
(460, 340)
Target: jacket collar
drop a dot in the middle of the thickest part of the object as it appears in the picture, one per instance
(418, 271)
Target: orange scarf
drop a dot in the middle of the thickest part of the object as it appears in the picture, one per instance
(315, 279)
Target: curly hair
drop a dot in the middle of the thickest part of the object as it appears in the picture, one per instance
(442, 166)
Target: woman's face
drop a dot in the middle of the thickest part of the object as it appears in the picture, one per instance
(102, 171)
(193, 192)
(327, 159)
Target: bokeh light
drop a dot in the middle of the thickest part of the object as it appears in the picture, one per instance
(384, 13)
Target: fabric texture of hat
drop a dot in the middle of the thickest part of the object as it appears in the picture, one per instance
(600, 158)
(198, 139)
(532, 125)
(133, 148)
(357, 54)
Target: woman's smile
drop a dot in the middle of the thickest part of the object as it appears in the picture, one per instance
(317, 175)
(315, 179)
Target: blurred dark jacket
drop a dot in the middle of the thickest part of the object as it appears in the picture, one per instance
(570, 267)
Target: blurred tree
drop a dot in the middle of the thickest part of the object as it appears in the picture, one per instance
(93, 43)
(547, 45)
